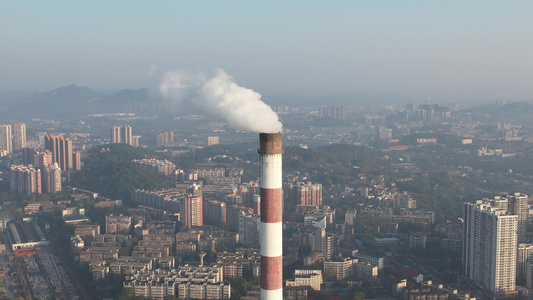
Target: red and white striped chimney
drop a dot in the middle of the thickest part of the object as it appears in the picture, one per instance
(270, 150)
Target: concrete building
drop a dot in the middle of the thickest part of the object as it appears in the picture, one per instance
(126, 135)
(121, 134)
(366, 272)
(51, 177)
(185, 282)
(6, 144)
(192, 211)
(213, 140)
(313, 221)
(189, 206)
(164, 138)
(40, 159)
(490, 246)
(333, 112)
(61, 149)
(86, 232)
(322, 242)
(215, 211)
(19, 136)
(155, 166)
(136, 140)
(306, 277)
(375, 260)
(350, 216)
(305, 193)
(529, 274)
(26, 235)
(241, 262)
(76, 160)
(26, 180)
(233, 212)
(525, 256)
(118, 224)
(417, 239)
(115, 135)
(518, 206)
(340, 268)
(249, 230)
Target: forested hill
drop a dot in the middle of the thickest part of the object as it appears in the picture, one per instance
(111, 172)
(332, 164)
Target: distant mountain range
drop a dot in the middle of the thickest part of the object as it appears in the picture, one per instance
(519, 112)
(74, 101)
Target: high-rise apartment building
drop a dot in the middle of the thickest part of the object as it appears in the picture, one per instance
(233, 212)
(19, 136)
(490, 246)
(164, 138)
(76, 160)
(28, 155)
(121, 134)
(215, 211)
(115, 135)
(50, 172)
(126, 136)
(525, 256)
(322, 242)
(51, 176)
(61, 149)
(6, 145)
(135, 142)
(518, 206)
(65, 154)
(213, 140)
(26, 180)
(249, 230)
(305, 193)
(333, 112)
(192, 211)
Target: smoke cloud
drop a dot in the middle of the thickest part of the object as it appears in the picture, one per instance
(220, 97)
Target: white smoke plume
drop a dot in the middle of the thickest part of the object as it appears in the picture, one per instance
(220, 97)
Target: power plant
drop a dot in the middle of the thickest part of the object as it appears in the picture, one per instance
(270, 151)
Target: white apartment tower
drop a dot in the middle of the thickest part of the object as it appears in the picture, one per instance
(19, 136)
(525, 256)
(121, 134)
(115, 134)
(126, 135)
(518, 206)
(490, 246)
(51, 176)
(6, 144)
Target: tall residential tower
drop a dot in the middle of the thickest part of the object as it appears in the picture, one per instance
(6, 145)
(490, 246)
(19, 136)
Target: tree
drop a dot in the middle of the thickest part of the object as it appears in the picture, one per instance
(359, 296)
(126, 294)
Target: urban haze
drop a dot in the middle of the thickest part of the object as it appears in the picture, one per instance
(246, 150)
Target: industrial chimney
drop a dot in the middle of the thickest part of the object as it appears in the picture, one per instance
(270, 152)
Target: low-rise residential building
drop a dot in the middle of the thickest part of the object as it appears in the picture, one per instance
(341, 268)
(185, 282)
(306, 278)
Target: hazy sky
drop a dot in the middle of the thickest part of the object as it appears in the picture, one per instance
(446, 50)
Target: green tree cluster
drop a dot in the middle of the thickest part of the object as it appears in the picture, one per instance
(113, 174)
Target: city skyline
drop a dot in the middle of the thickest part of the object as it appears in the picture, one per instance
(357, 51)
